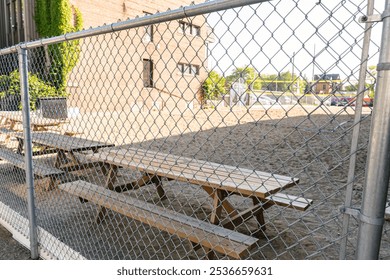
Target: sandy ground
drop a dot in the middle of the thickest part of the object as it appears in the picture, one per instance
(311, 143)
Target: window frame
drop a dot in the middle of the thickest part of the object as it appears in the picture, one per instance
(188, 28)
(188, 69)
(147, 73)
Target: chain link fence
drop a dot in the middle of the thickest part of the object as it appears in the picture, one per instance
(224, 129)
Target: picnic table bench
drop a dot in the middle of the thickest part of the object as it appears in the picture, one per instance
(65, 147)
(218, 180)
(216, 238)
(39, 169)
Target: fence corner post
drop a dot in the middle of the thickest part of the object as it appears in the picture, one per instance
(378, 158)
(33, 233)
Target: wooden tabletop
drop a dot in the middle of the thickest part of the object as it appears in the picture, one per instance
(36, 120)
(244, 181)
(64, 142)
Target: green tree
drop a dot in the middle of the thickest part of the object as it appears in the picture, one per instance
(54, 18)
(283, 81)
(351, 88)
(214, 86)
(369, 83)
(248, 74)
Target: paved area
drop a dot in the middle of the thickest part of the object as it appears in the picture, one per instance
(10, 249)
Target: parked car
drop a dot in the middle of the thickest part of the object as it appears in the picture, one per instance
(368, 102)
(263, 100)
(343, 101)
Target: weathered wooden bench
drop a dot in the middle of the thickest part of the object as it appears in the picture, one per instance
(39, 169)
(288, 201)
(208, 235)
(7, 132)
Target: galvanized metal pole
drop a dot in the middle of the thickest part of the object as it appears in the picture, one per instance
(378, 159)
(28, 152)
(183, 12)
(356, 127)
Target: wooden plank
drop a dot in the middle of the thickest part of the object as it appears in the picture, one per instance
(241, 217)
(208, 235)
(183, 173)
(290, 201)
(64, 142)
(34, 120)
(242, 173)
(207, 167)
(39, 169)
(216, 166)
(193, 173)
(7, 131)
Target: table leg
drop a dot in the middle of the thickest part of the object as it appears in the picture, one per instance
(19, 149)
(216, 214)
(219, 203)
(11, 127)
(145, 179)
(160, 191)
(260, 213)
(230, 210)
(110, 181)
(60, 159)
(20, 146)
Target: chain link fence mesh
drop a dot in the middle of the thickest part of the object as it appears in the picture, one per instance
(173, 140)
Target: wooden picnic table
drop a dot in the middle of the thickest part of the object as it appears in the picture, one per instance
(9, 120)
(65, 146)
(218, 180)
(38, 123)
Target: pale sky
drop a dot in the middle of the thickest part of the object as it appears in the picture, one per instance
(267, 35)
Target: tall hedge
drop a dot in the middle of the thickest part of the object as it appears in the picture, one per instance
(54, 18)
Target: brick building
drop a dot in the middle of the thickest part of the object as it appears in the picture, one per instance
(148, 67)
(326, 83)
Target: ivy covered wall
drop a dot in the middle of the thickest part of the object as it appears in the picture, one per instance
(53, 18)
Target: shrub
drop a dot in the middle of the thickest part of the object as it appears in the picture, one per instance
(214, 86)
(10, 85)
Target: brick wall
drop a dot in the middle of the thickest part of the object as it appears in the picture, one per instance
(109, 74)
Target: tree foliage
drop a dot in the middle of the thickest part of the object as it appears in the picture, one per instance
(53, 18)
(214, 86)
(284, 81)
(369, 83)
(248, 74)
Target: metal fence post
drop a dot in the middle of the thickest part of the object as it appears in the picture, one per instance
(378, 159)
(356, 128)
(23, 66)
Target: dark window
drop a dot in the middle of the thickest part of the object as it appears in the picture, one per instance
(188, 69)
(148, 73)
(189, 28)
(180, 67)
(194, 69)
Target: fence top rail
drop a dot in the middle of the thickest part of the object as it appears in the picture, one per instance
(182, 12)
